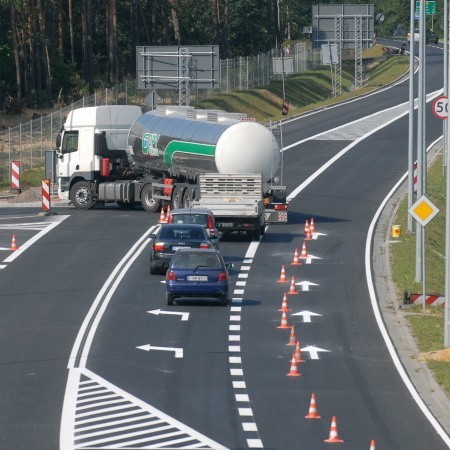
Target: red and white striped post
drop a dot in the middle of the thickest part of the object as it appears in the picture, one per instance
(415, 177)
(46, 204)
(15, 175)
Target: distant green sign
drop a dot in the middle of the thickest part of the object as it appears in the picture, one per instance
(430, 8)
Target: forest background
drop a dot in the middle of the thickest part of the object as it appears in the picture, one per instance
(56, 51)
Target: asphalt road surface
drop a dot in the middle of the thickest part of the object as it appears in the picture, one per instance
(93, 358)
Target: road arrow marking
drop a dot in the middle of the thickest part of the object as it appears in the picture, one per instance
(148, 347)
(157, 312)
(305, 285)
(313, 351)
(306, 315)
(316, 235)
(310, 258)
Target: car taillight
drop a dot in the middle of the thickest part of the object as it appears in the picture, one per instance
(210, 223)
(203, 245)
(283, 207)
(158, 247)
(223, 276)
(170, 276)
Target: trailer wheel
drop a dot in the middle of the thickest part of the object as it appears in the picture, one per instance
(149, 203)
(81, 195)
(176, 198)
(188, 196)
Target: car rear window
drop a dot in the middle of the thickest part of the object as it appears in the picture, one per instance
(182, 233)
(200, 219)
(193, 260)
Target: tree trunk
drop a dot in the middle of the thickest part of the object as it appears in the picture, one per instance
(72, 51)
(60, 28)
(86, 25)
(216, 20)
(175, 22)
(45, 54)
(16, 52)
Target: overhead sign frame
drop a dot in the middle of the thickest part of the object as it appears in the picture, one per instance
(165, 66)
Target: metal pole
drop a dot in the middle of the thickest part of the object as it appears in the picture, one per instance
(444, 125)
(421, 159)
(447, 223)
(411, 119)
(31, 143)
(423, 265)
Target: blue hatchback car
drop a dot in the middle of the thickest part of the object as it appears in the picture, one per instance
(198, 273)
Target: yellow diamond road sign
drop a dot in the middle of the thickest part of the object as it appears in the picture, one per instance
(423, 210)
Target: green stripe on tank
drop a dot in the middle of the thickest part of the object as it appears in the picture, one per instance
(186, 147)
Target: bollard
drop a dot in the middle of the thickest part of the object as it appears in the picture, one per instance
(396, 231)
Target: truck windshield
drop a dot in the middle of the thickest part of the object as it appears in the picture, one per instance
(70, 142)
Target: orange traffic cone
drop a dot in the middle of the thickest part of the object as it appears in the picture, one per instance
(162, 217)
(296, 261)
(13, 243)
(311, 226)
(304, 254)
(334, 437)
(167, 213)
(283, 323)
(298, 353)
(293, 372)
(312, 412)
(292, 288)
(307, 231)
(292, 337)
(284, 304)
(283, 278)
(372, 444)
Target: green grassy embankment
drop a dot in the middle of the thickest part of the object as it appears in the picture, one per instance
(427, 324)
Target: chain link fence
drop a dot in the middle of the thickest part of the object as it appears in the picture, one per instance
(28, 141)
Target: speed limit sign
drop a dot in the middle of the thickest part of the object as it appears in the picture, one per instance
(440, 107)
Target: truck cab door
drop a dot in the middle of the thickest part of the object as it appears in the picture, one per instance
(68, 155)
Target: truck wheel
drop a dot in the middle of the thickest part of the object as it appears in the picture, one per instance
(176, 198)
(81, 195)
(149, 203)
(257, 234)
(263, 230)
(188, 196)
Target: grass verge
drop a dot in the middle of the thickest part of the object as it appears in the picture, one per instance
(427, 324)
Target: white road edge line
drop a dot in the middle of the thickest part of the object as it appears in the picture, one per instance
(373, 299)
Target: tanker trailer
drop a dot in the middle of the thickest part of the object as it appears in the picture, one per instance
(168, 149)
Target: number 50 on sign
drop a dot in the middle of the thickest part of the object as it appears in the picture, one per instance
(440, 107)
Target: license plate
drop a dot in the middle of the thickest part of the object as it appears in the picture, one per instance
(197, 278)
(178, 247)
(226, 224)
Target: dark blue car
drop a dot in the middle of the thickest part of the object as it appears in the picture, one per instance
(198, 273)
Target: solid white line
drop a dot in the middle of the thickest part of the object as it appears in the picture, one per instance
(376, 309)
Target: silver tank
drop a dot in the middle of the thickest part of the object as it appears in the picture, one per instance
(189, 141)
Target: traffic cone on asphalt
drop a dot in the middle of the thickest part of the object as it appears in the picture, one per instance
(162, 217)
(167, 213)
(284, 304)
(296, 261)
(283, 323)
(304, 254)
(294, 371)
(13, 243)
(311, 226)
(283, 278)
(298, 353)
(334, 437)
(292, 288)
(312, 412)
(292, 337)
(372, 444)
(307, 232)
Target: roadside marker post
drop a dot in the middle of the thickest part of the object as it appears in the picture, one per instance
(46, 201)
